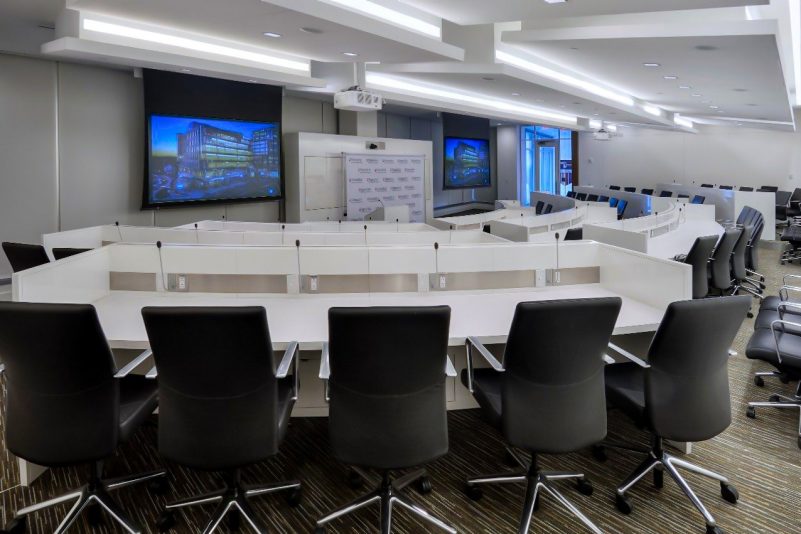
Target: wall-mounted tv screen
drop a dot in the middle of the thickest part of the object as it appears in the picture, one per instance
(467, 163)
(196, 159)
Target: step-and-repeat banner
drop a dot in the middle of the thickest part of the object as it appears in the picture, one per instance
(377, 180)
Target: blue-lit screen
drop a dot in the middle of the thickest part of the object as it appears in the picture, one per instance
(467, 163)
(196, 159)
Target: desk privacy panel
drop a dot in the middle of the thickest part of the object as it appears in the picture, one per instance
(373, 181)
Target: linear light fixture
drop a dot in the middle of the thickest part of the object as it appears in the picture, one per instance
(590, 87)
(652, 110)
(482, 101)
(392, 16)
(681, 121)
(595, 124)
(150, 36)
(611, 127)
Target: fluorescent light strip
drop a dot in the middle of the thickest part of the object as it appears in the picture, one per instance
(611, 127)
(681, 121)
(590, 87)
(595, 124)
(795, 39)
(393, 17)
(652, 110)
(396, 84)
(191, 44)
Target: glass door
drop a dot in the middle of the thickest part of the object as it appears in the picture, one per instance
(548, 167)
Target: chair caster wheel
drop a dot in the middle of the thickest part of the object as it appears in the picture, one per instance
(599, 453)
(165, 521)
(94, 515)
(659, 478)
(750, 315)
(759, 381)
(774, 398)
(799, 442)
(354, 480)
(751, 412)
(729, 493)
(294, 497)
(319, 530)
(584, 486)
(714, 530)
(473, 492)
(424, 486)
(623, 504)
(159, 486)
(233, 520)
(18, 525)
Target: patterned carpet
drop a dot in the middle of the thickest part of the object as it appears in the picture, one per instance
(760, 457)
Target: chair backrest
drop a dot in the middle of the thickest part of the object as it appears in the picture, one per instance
(783, 198)
(738, 260)
(603, 198)
(62, 404)
(538, 208)
(707, 185)
(621, 207)
(548, 209)
(613, 202)
(768, 188)
(746, 188)
(698, 199)
(581, 196)
(698, 257)
(630, 189)
(666, 194)
(387, 385)
(553, 394)
(218, 393)
(647, 192)
(725, 187)
(721, 259)
(687, 385)
(23, 256)
(571, 194)
(614, 187)
(592, 198)
(751, 252)
(574, 234)
(61, 253)
(796, 196)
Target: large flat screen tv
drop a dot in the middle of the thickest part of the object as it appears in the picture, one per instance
(201, 160)
(467, 163)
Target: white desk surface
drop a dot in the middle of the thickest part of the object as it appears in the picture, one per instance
(681, 240)
(486, 314)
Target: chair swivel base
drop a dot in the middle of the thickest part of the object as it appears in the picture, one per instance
(537, 483)
(233, 498)
(91, 497)
(779, 401)
(659, 462)
(388, 495)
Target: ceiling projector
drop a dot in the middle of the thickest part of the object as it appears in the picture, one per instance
(602, 135)
(355, 99)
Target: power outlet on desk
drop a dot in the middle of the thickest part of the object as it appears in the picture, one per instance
(313, 283)
(443, 281)
(178, 282)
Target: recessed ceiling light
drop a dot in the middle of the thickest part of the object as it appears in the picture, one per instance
(555, 1)
(696, 95)
(350, 54)
(515, 94)
(671, 77)
(740, 90)
(685, 87)
(651, 65)
(714, 107)
(273, 35)
(186, 70)
(315, 31)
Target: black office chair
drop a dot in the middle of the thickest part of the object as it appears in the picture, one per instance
(682, 392)
(61, 253)
(574, 234)
(682, 195)
(548, 209)
(614, 187)
(630, 189)
(648, 192)
(707, 185)
(67, 404)
(621, 208)
(721, 261)
(782, 206)
(768, 188)
(592, 198)
(571, 194)
(613, 202)
(386, 370)
(581, 196)
(547, 397)
(699, 257)
(746, 188)
(666, 194)
(698, 199)
(538, 207)
(794, 207)
(603, 198)
(23, 256)
(222, 403)
(725, 187)
(739, 272)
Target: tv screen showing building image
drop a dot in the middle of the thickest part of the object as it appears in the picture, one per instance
(467, 163)
(194, 159)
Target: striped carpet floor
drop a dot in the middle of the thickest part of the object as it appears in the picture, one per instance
(759, 456)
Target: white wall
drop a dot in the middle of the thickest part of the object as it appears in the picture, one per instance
(717, 155)
(71, 147)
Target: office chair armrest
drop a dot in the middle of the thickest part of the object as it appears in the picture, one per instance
(629, 356)
(290, 356)
(325, 369)
(136, 362)
(472, 343)
(152, 374)
(793, 276)
(782, 307)
(784, 291)
(776, 337)
(2, 368)
(450, 370)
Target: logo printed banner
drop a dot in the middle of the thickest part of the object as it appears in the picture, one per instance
(373, 181)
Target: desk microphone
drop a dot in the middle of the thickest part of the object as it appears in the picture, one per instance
(161, 265)
(119, 230)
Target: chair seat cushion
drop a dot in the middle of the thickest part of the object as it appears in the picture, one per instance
(762, 346)
(772, 303)
(625, 390)
(487, 386)
(766, 317)
(138, 399)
